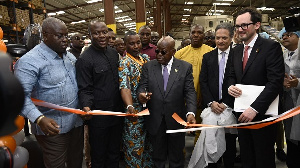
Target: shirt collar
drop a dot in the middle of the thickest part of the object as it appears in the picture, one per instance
(169, 63)
(252, 42)
(226, 51)
(51, 52)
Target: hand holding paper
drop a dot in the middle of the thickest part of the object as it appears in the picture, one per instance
(234, 91)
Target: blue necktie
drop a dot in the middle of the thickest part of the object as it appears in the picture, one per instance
(166, 77)
(221, 74)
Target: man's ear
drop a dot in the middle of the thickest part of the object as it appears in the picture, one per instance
(257, 25)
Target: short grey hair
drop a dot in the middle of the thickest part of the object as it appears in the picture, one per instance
(226, 26)
(50, 23)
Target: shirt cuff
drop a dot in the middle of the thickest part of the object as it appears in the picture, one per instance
(226, 105)
(188, 113)
(209, 104)
(254, 109)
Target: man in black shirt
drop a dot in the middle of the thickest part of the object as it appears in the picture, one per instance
(77, 43)
(97, 77)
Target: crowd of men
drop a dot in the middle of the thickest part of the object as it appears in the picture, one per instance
(123, 74)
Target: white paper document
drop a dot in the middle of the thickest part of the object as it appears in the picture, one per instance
(249, 95)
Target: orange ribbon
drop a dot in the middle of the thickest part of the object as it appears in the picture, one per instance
(77, 111)
(249, 125)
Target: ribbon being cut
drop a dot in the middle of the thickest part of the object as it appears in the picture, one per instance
(77, 111)
(211, 144)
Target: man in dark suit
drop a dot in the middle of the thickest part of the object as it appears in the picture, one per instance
(167, 94)
(257, 62)
(214, 72)
(98, 84)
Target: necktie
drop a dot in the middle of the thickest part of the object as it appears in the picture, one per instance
(221, 74)
(245, 59)
(290, 55)
(166, 77)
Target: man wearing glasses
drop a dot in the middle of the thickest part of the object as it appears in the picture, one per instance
(47, 72)
(209, 39)
(257, 62)
(167, 86)
(76, 45)
(291, 95)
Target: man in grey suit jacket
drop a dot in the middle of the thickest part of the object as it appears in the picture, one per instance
(167, 94)
(257, 62)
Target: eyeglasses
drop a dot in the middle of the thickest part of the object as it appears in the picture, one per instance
(287, 34)
(78, 38)
(59, 36)
(244, 26)
(157, 51)
(209, 37)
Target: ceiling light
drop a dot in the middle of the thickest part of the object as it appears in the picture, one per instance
(60, 12)
(222, 4)
(186, 15)
(226, 0)
(101, 10)
(212, 14)
(187, 10)
(92, 1)
(218, 11)
(265, 8)
(118, 11)
(51, 14)
(189, 3)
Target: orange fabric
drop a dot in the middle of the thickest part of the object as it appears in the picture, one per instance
(77, 111)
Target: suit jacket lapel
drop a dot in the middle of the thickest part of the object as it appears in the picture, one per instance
(215, 65)
(253, 54)
(238, 54)
(173, 75)
(159, 78)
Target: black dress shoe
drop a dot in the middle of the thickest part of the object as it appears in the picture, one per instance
(281, 155)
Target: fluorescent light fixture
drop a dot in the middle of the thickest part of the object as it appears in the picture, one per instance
(101, 10)
(92, 1)
(225, 0)
(186, 15)
(187, 10)
(81, 21)
(265, 8)
(218, 11)
(189, 3)
(183, 19)
(118, 11)
(60, 12)
(51, 14)
(228, 4)
(116, 7)
(212, 14)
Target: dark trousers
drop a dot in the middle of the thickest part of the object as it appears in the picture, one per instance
(62, 149)
(229, 154)
(257, 147)
(105, 146)
(167, 146)
(293, 154)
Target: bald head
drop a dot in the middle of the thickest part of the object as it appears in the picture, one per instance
(165, 50)
(167, 39)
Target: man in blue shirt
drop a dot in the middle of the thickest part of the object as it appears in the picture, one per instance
(47, 72)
